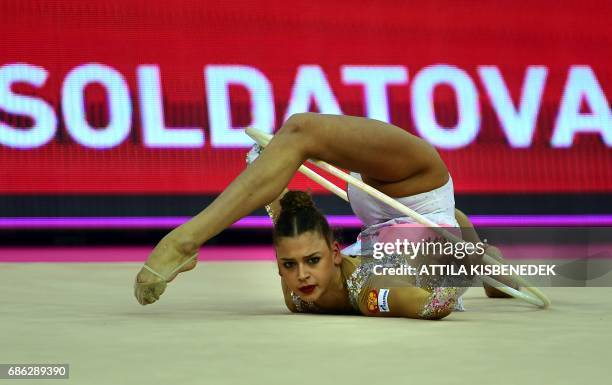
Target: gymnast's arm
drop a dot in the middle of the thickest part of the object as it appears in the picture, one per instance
(403, 301)
(468, 233)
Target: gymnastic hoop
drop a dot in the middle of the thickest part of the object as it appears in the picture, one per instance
(534, 295)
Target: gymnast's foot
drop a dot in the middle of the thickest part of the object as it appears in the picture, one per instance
(174, 254)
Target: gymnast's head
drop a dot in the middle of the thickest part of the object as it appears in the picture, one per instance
(307, 254)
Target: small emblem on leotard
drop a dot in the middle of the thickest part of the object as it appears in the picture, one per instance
(373, 301)
(383, 300)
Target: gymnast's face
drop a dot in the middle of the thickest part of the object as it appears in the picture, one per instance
(307, 264)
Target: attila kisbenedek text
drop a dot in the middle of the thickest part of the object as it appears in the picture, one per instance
(459, 250)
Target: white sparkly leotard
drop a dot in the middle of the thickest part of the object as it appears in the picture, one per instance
(437, 205)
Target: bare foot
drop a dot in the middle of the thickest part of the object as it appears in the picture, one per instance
(165, 260)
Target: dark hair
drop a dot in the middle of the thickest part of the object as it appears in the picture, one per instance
(299, 215)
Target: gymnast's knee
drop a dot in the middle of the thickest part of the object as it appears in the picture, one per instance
(298, 124)
(300, 130)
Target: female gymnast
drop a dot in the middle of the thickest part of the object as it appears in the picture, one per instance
(315, 275)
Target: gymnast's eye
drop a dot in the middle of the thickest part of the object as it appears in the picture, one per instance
(288, 264)
(314, 260)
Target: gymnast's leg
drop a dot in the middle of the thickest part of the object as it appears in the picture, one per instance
(389, 158)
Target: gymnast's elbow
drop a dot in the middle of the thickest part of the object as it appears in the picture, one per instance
(435, 316)
(409, 311)
(428, 316)
(425, 315)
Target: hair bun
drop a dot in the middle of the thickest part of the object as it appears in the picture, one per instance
(294, 201)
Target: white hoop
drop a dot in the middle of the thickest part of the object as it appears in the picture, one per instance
(536, 297)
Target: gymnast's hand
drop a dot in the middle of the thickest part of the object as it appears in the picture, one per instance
(174, 254)
(491, 291)
(253, 153)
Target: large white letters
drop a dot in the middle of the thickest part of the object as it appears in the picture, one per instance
(518, 124)
(155, 132)
(581, 82)
(119, 106)
(310, 82)
(518, 118)
(375, 80)
(218, 79)
(423, 112)
(45, 122)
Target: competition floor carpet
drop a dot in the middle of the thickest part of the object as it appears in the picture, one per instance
(225, 323)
